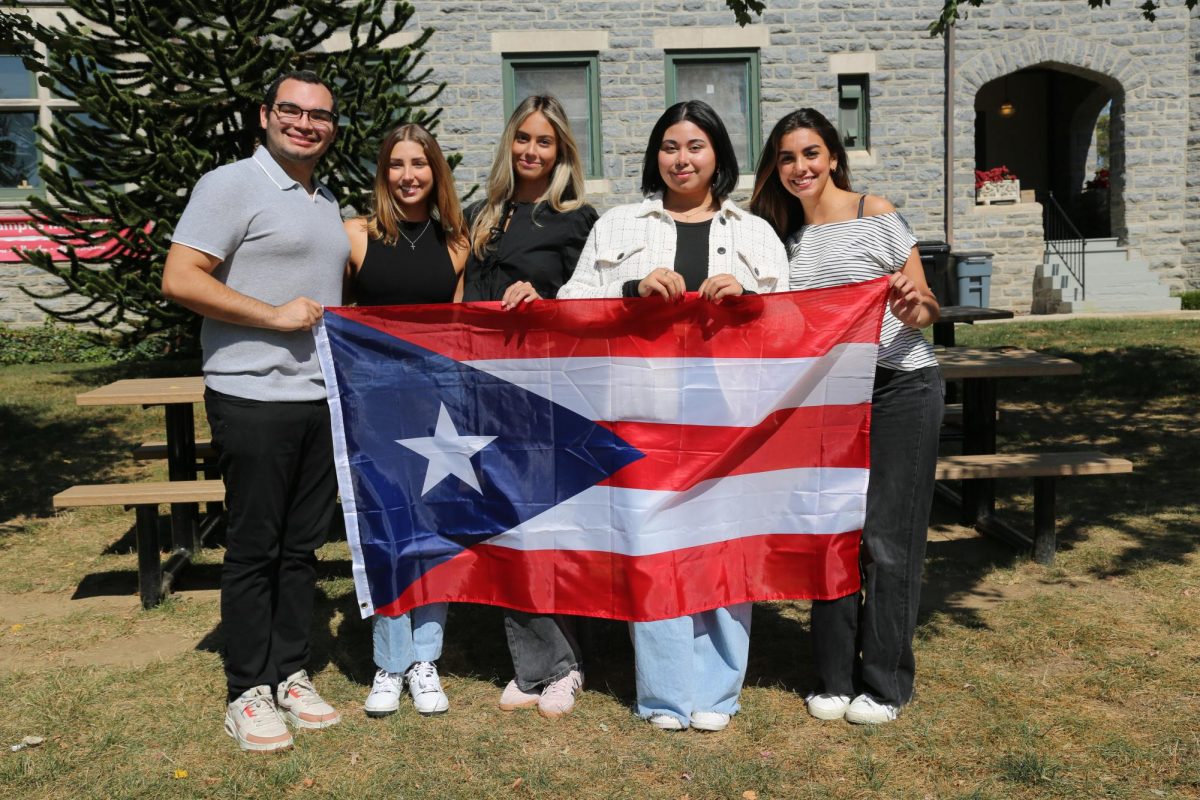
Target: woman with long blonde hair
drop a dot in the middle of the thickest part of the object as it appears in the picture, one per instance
(527, 232)
(525, 239)
(411, 248)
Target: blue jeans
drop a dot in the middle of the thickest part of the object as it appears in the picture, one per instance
(416, 636)
(863, 642)
(693, 663)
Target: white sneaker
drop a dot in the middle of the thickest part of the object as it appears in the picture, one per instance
(426, 689)
(254, 722)
(665, 722)
(710, 720)
(866, 710)
(558, 698)
(827, 706)
(302, 705)
(385, 693)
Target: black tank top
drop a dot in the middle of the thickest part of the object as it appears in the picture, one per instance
(414, 270)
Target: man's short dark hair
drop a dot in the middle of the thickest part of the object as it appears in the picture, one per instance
(302, 75)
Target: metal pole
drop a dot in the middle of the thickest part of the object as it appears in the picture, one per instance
(948, 113)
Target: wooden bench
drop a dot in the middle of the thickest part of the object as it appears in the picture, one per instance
(154, 581)
(156, 451)
(1044, 468)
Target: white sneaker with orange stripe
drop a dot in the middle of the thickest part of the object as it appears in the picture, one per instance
(301, 704)
(254, 722)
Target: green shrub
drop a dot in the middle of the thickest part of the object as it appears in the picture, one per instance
(53, 343)
(1191, 300)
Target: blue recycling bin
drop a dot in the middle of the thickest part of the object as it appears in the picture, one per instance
(973, 270)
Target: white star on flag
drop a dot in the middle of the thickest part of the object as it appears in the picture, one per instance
(448, 453)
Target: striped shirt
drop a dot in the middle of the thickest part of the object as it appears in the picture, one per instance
(857, 250)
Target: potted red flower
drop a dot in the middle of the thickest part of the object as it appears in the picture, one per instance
(996, 185)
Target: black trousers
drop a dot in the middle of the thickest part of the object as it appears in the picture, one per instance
(543, 647)
(277, 463)
(863, 642)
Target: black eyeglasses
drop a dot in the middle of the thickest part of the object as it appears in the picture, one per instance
(291, 113)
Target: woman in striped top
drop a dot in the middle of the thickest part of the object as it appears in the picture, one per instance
(862, 643)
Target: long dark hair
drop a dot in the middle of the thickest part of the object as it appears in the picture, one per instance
(700, 114)
(771, 200)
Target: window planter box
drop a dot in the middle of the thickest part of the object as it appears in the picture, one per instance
(998, 192)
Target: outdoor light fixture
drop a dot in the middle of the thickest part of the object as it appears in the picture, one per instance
(1006, 108)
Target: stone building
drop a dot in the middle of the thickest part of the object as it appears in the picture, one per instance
(1028, 81)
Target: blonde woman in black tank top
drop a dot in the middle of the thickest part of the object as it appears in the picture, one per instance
(411, 249)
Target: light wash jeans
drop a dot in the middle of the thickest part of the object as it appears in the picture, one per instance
(694, 663)
(416, 636)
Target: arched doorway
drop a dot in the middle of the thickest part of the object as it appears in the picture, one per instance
(1042, 123)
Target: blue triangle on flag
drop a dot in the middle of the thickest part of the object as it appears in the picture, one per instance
(391, 389)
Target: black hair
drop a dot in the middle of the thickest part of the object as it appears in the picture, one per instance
(302, 75)
(700, 114)
(770, 200)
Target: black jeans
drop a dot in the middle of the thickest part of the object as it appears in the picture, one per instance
(863, 642)
(277, 463)
(543, 647)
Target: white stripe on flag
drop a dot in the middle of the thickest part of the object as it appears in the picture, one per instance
(638, 522)
(733, 392)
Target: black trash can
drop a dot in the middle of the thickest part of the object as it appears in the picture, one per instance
(935, 258)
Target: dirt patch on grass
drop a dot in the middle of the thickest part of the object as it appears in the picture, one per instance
(24, 616)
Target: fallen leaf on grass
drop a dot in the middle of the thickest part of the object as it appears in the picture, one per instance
(180, 774)
(517, 783)
(308, 783)
(211, 780)
(765, 754)
(354, 758)
(687, 776)
(17, 628)
(749, 794)
(603, 727)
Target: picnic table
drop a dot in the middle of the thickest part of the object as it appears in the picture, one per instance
(943, 329)
(177, 396)
(979, 370)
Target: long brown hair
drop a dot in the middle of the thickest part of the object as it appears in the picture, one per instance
(386, 215)
(771, 200)
(565, 192)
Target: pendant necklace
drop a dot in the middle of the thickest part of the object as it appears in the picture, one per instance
(412, 243)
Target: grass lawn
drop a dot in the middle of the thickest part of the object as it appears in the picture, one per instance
(1078, 680)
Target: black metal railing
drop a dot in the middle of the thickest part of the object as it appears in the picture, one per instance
(1065, 241)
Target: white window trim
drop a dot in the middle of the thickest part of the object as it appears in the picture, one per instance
(732, 37)
(541, 41)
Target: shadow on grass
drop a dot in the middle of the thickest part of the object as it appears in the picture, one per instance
(1136, 403)
(41, 455)
(107, 373)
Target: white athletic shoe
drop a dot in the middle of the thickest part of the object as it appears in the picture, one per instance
(254, 722)
(426, 689)
(827, 706)
(385, 693)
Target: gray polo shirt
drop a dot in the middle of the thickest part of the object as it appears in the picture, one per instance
(276, 242)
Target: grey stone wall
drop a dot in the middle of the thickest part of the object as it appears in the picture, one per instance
(1152, 68)
(1142, 62)
(1013, 234)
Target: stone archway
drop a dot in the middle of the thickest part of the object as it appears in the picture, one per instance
(1118, 75)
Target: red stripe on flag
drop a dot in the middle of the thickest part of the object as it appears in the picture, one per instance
(783, 325)
(680, 456)
(639, 588)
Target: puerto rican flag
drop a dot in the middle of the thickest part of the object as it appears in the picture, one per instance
(626, 458)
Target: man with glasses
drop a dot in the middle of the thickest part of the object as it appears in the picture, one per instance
(259, 251)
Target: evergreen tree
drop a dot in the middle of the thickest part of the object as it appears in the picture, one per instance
(169, 90)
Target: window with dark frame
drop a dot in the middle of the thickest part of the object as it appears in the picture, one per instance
(728, 80)
(572, 78)
(854, 113)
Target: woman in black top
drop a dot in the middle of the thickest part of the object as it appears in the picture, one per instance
(525, 239)
(411, 249)
(527, 233)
